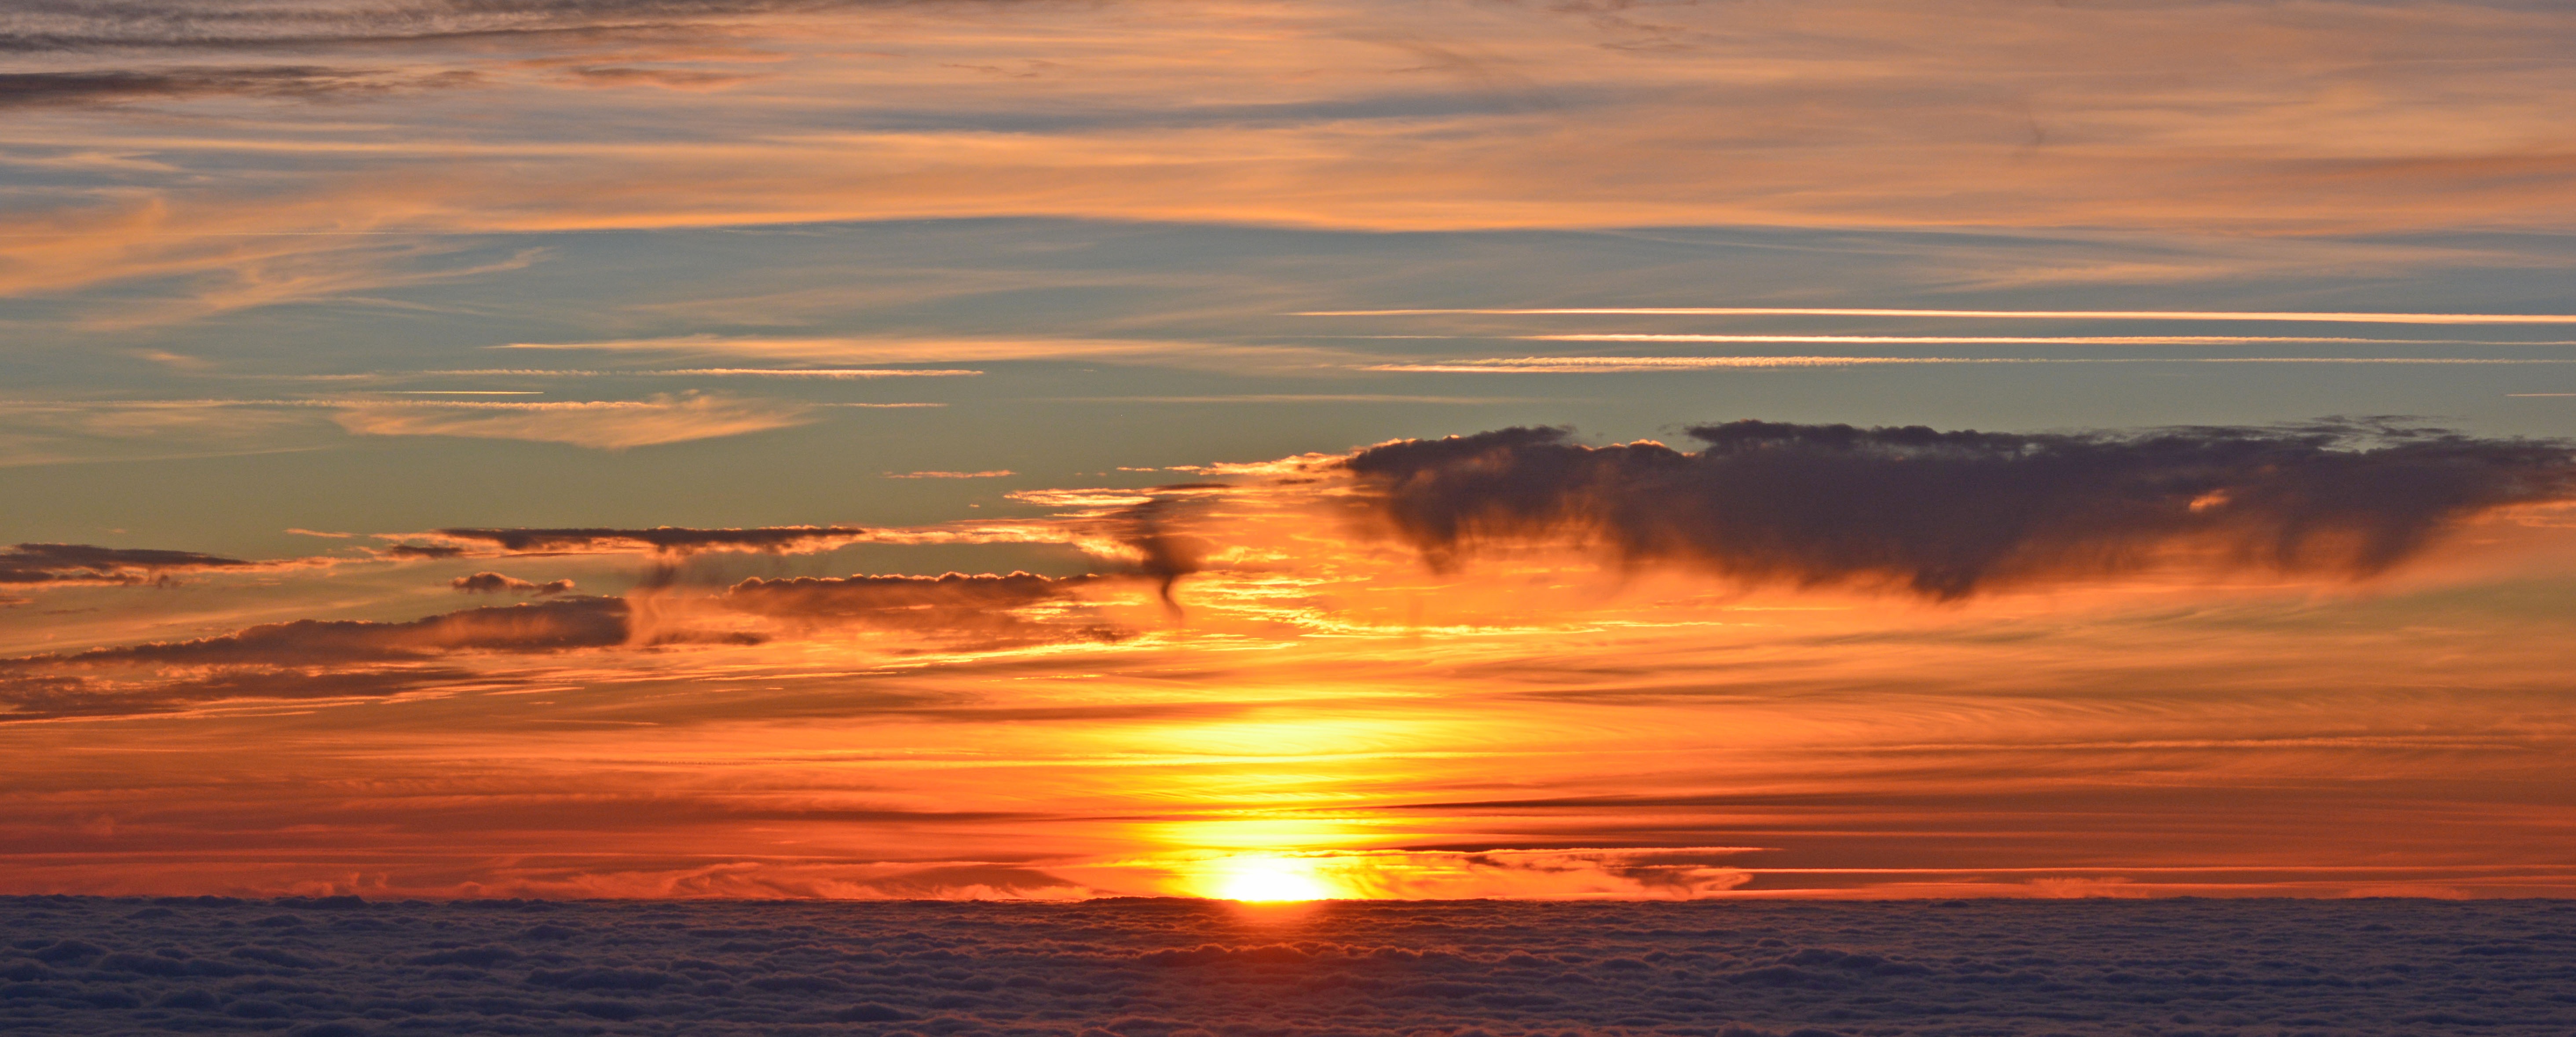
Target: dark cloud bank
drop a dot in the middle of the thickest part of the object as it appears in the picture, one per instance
(1163, 968)
(1948, 514)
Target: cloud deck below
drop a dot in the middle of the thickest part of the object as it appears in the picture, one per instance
(1173, 968)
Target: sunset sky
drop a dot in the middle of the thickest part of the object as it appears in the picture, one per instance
(1034, 449)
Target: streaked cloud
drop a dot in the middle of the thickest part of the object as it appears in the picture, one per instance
(657, 540)
(1627, 364)
(2343, 317)
(78, 564)
(600, 424)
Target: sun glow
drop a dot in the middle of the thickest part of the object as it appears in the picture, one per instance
(1269, 880)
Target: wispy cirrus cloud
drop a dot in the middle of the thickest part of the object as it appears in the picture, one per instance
(599, 424)
(1631, 364)
(1224, 356)
(1563, 119)
(2304, 317)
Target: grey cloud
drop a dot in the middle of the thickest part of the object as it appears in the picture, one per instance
(952, 604)
(60, 25)
(88, 564)
(1948, 514)
(29, 89)
(499, 583)
(26, 696)
(678, 540)
(544, 627)
(1155, 530)
(303, 659)
(423, 551)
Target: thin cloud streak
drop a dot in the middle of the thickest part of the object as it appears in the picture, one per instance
(1630, 364)
(2347, 317)
(2007, 340)
(598, 424)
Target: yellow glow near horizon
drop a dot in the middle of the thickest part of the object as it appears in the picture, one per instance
(1269, 880)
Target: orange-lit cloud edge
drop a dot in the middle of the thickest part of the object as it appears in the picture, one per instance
(1313, 712)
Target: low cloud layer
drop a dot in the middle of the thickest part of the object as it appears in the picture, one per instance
(1948, 514)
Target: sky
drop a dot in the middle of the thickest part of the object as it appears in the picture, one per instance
(1034, 449)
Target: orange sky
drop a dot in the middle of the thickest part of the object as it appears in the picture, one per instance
(1321, 712)
(513, 447)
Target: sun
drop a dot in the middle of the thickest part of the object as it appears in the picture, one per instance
(1269, 880)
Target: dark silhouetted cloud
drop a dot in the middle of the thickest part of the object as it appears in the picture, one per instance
(660, 539)
(498, 583)
(87, 564)
(1166, 553)
(423, 551)
(1948, 514)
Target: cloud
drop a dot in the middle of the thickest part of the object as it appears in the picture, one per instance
(1219, 356)
(1948, 514)
(299, 24)
(2301, 316)
(495, 583)
(668, 79)
(1634, 364)
(1836, 115)
(994, 474)
(955, 603)
(587, 622)
(433, 551)
(66, 564)
(672, 540)
(601, 424)
(28, 696)
(30, 89)
(301, 660)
